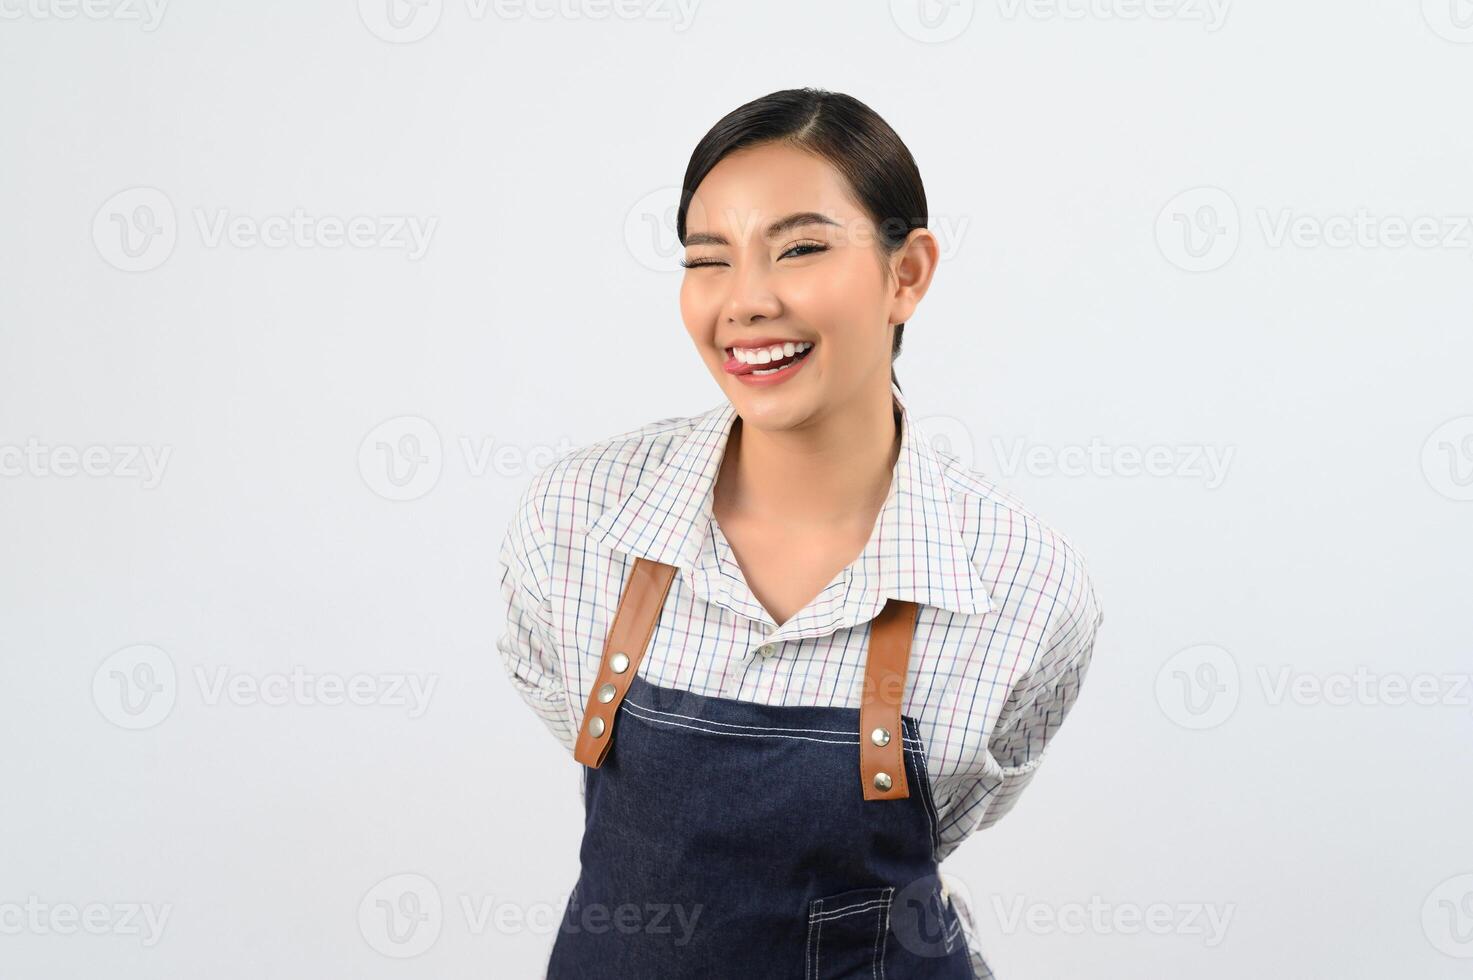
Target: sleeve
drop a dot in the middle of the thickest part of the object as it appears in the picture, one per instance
(1042, 698)
(528, 644)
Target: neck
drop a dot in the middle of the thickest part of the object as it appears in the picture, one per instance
(836, 469)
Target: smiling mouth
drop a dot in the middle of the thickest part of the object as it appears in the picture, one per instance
(768, 359)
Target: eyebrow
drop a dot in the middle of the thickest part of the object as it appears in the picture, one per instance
(779, 226)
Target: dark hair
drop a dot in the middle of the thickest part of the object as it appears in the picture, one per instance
(840, 129)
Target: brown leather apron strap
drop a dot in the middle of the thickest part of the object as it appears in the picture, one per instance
(881, 737)
(634, 624)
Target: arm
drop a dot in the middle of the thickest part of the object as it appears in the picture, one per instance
(1044, 695)
(1038, 700)
(528, 644)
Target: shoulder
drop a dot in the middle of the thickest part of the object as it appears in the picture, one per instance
(576, 487)
(1034, 572)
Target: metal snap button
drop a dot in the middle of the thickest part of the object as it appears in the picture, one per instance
(596, 726)
(880, 736)
(882, 780)
(606, 693)
(619, 663)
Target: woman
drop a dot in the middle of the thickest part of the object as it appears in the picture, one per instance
(800, 654)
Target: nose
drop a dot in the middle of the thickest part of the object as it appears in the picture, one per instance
(752, 297)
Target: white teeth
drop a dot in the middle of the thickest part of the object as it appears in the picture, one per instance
(766, 355)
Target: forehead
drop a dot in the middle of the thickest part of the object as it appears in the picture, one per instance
(753, 186)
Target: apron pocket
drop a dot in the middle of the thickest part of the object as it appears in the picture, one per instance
(848, 933)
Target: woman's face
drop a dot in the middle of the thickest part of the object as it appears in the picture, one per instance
(785, 271)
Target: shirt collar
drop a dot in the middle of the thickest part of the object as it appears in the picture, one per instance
(916, 551)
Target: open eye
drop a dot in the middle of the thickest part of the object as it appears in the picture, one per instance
(811, 248)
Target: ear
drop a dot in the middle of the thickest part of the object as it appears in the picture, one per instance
(913, 265)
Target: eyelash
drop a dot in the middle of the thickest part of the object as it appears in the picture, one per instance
(816, 246)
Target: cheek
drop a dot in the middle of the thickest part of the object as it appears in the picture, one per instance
(841, 299)
(695, 310)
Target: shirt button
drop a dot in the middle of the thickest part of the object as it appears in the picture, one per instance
(766, 650)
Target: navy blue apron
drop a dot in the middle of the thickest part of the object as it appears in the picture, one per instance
(726, 838)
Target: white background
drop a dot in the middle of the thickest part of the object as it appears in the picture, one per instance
(1143, 208)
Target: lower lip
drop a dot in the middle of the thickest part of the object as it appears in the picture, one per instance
(776, 377)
